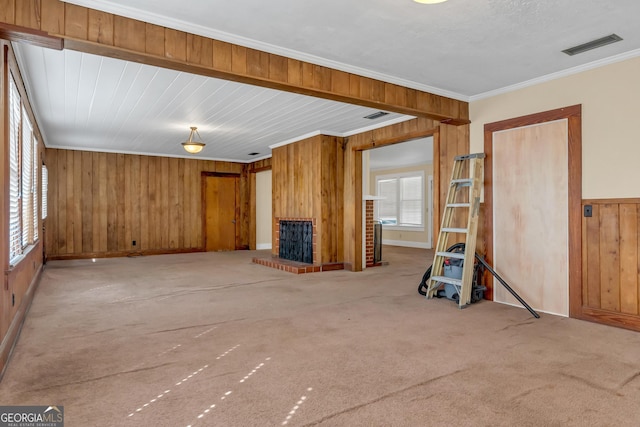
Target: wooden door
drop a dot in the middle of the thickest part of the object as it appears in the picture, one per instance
(220, 222)
(530, 215)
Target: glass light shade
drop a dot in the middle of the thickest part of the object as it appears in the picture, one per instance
(191, 146)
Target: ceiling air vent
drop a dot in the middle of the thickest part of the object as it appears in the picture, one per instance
(376, 115)
(594, 44)
(253, 154)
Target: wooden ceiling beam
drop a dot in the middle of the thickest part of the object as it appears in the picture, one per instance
(105, 34)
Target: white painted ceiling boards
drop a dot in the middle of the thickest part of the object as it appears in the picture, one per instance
(464, 49)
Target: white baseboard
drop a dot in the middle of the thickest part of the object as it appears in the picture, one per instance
(261, 246)
(407, 244)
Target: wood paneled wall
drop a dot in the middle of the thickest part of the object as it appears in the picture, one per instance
(106, 34)
(611, 262)
(99, 203)
(307, 183)
(449, 141)
(456, 142)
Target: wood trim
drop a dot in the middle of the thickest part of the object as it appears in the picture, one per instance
(4, 166)
(120, 254)
(436, 214)
(598, 315)
(532, 119)
(610, 201)
(396, 140)
(261, 169)
(105, 34)
(221, 174)
(15, 33)
(358, 208)
(574, 116)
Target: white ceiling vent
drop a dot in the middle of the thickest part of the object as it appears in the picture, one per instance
(593, 44)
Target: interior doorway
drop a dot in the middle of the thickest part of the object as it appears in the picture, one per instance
(264, 210)
(400, 177)
(220, 211)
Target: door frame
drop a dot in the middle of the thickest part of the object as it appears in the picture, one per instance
(573, 114)
(203, 194)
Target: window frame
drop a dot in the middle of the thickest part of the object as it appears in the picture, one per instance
(398, 177)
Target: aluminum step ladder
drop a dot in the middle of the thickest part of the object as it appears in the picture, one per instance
(458, 204)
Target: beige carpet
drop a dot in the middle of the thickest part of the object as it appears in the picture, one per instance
(212, 340)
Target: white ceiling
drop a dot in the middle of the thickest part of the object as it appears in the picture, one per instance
(410, 153)
(465, 49)
(87, 102)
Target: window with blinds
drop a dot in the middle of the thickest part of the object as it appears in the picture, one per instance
(403, 203)
(388, 207)
(45, 190)
(15, 237)
(23, 177)
(34, 191)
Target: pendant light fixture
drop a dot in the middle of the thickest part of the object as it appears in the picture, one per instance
(191, 146)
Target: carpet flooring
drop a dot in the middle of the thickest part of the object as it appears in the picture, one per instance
(210, 339)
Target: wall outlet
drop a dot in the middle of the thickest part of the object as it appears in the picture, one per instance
(588, 211)
(133, 243)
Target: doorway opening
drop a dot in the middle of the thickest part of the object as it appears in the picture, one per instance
(397, 180)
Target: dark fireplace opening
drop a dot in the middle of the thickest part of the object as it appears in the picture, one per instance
(296, 241)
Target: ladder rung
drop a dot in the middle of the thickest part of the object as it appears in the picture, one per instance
(454, 230)
(449, 280)
(466, 181)
(470, 156)
(458, 205)
(456, 255)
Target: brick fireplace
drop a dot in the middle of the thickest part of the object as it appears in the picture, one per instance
(296, 266)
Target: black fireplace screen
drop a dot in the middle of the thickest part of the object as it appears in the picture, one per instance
(296, 241)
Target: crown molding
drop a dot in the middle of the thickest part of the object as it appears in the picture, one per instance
(149, 154)
(342, 135)
(557, 75)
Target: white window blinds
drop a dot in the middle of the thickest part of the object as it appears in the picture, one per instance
(388, 207)
(34, 190)
(27, 179)
(45, 190)
(15, 241)
(411, 195)
(403, 203)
